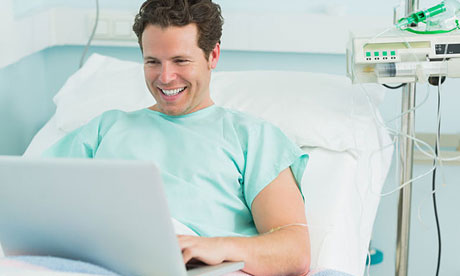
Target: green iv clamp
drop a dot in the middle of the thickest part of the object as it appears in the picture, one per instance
(442, 18)
(421, 16)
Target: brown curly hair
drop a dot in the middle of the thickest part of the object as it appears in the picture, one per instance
(165, 13)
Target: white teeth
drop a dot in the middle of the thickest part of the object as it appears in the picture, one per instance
(172, 92)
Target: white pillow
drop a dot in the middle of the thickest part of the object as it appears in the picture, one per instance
(102, 84)
(312, 109)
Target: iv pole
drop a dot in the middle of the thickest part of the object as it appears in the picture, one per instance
(406, 166)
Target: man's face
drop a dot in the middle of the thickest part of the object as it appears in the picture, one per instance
(176, 70)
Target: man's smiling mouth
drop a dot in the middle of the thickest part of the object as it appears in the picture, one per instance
(172, 92)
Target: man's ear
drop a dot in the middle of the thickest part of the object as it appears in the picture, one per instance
(214, 56)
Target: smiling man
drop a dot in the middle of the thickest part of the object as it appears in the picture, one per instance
(231, 178)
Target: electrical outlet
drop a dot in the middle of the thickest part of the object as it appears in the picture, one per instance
(114, 26)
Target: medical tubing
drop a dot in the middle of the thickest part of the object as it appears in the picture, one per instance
(353, 126)
(383, 32)
(445, 159)
(419, 210)
(437, 157)
(402, 114)
(433, 32)
(399, 134)
(361, 200)
(434, 156)
(433, 192)
(437, 150)
(448, 159)
(287, 225)
(413, 179)
(407, 183)
(382, 147)
(371, 156)
(416, 143)
(440, 159)
(425, 99)
(328, 229)
(396, 132)
(376, 119)
(91, 36)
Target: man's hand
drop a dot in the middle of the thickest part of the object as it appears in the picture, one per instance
(206, 250)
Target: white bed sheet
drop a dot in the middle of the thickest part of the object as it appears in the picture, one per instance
(341, 206)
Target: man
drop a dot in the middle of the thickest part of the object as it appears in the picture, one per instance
(231, 178)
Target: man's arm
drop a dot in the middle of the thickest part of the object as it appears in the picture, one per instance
(282, 252)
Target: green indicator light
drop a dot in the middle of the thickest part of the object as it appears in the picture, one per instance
(376, 54)
(393, 53)
(368, 54)
(384, 53)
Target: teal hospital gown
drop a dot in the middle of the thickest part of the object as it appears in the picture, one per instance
(213, 162)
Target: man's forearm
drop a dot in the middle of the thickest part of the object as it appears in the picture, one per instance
(283, 252)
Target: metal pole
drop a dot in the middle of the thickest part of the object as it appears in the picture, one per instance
(407, 157)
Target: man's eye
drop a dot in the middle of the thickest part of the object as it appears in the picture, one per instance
(152, 62)
(181, 61)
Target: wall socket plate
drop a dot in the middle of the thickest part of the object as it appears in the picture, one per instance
(112, 26)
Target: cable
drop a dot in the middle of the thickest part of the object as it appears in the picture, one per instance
(437, 151)
(394, 87)
(436, 218)
(91, 36)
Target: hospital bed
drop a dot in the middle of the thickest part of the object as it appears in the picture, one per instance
(334, 122)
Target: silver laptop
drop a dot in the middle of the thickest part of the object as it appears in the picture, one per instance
(110, 213)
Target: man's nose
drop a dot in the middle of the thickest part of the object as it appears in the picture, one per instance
(167, 74)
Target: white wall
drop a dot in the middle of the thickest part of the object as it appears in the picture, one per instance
(297, 26)
(258, 25)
